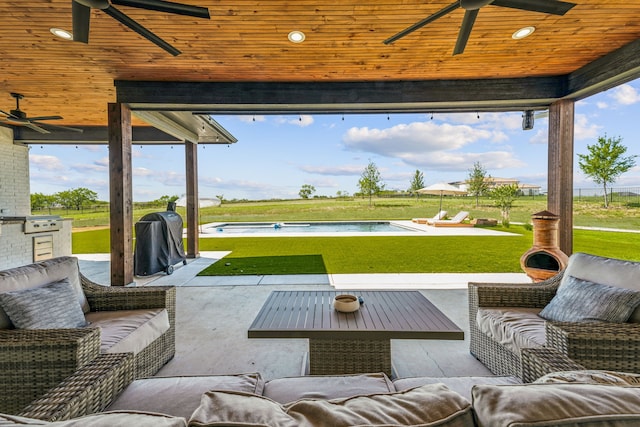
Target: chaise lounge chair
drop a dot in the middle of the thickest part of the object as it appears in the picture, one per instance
(436, 217)
(456, 221)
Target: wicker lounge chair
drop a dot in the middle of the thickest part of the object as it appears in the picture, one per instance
(594, 345)
(34, 360)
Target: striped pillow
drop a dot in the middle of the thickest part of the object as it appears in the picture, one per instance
(579, 300)
(51, 306)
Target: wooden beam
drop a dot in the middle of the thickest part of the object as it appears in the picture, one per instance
(191, 168)
(560, 175)
(140, 135)
(120, 194)
(342, 97)
(618, 67)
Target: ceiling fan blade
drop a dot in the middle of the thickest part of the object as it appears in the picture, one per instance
(125, 20)
(57, 127)
(81, 19)
(465, 30)
(33, 119)
(9, 115)
(423, 22)
(35, 127)
(166, 6)
(554, 7)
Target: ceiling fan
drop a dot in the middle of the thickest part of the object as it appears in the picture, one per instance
(18, 117)
(472, 8)
(81, 10)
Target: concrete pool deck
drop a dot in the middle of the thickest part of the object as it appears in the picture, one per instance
(96, 267)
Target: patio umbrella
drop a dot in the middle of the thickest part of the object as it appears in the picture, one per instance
(202, 203)
(442, 189)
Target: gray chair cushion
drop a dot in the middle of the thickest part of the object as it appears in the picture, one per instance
(129, 331)
(460, 385)
(53, 306)
(580, 300)
(285, 390)
(513, 327)
(180, 396)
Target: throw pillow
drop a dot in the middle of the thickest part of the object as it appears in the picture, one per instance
(432, 404)
(591, 377)
(51, 306)
(579, 300)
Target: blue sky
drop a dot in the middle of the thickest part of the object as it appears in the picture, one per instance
(276, 155)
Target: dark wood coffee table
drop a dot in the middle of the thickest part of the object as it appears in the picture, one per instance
(346, 343)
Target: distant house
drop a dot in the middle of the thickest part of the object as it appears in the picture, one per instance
(527, 189)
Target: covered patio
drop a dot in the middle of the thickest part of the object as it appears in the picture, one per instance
(240, 62)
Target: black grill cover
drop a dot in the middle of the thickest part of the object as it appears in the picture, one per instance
(158, 243)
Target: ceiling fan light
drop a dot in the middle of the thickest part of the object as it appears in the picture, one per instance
(296, 36)
(523, 32)
(63, 34)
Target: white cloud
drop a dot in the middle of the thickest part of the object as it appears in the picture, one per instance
(142, 172)
(413, 138)
(303, 120)
(458, 161)
(602, 105)
(334, 170)
(46, 162)
(625, 95)
(583, 129)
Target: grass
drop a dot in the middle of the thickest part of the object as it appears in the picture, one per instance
(261, 265)
(398, 254)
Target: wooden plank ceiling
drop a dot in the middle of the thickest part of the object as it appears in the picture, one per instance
(247, 41)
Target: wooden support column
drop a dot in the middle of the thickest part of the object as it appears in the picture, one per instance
(120, 195)
(560, 176)
(193, 207)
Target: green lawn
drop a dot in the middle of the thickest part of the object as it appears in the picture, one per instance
(399, 254)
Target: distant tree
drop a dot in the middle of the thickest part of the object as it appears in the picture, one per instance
(605, 162)
(504, 196)
(221, 197)
(340, 194)
(41, 201)
(417, 182)
(76, 198)
(370, 182)
(306, 190)
(477, 181)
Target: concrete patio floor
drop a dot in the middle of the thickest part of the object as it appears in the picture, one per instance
(213, 315)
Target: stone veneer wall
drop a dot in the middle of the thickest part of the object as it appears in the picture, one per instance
(16, 248)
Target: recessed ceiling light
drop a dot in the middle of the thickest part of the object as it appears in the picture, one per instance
(63, 34)
(523, 32)
(296, 36)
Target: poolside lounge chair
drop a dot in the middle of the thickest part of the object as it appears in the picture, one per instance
(456, 221)
(439, 215)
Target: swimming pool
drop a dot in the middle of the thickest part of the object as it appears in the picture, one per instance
(275, 228)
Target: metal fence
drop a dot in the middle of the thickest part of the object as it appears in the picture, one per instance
(616, 194)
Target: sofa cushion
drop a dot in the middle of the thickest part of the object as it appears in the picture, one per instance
(580, 300)
(513, 327)
(52, 306)
(180, 396)
(429, 405)
(543, 405)
(461, 385)
(591, 376)
(104, 419)
(125, 331)
(40, 274)
(285, 390)
(607, 271)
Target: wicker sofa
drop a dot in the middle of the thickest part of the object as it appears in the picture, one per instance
(594, 345)
(34, 360)
(103, 390)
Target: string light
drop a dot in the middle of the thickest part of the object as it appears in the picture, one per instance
(478, 115)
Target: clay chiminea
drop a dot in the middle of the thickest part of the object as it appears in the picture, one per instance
(544, 259)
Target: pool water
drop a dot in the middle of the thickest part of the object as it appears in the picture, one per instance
(308, 227)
